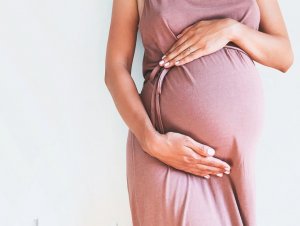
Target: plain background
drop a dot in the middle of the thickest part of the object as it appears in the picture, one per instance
(62, 141)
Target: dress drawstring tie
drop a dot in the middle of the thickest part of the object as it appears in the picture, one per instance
(161, 72)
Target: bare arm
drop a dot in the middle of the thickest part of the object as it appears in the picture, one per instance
(119, 56)
(270, 45)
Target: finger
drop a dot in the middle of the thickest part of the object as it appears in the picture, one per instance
(203, 174)
(187, 35)
(189, 57)
(203, 171)
(175, 52)
(184, 31)
(188, 53)
(215, 162)
(193, 163)
(174, 46)
(197, 157)
(199, 148)
(198, 172)
(183, 54)
(209, 169)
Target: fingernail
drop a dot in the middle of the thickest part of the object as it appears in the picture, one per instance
(219, 174)
(166, 64)
(161, 62)
(206, 176)
(211, 151)
(227, 172)
(177, 62)
(227, 168)
(163, 56)
(178, 36)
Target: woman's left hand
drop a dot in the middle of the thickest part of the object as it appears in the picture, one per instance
(199, 39)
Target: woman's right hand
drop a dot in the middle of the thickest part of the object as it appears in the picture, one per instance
(184, 153)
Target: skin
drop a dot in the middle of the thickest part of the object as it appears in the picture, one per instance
(269, 46)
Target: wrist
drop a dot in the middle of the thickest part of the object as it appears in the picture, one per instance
(150, 141)
(234, 30)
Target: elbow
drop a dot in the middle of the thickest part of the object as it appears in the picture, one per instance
(108, 71)
(106, 78)
(288, 60)
(288, 63)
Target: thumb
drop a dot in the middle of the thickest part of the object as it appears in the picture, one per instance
(183, 31)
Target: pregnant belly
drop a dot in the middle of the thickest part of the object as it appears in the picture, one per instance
(216, 99)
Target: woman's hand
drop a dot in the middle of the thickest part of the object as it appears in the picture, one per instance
(199, 39)
(184, 153)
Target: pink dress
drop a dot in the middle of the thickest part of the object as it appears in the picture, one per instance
(216, 99)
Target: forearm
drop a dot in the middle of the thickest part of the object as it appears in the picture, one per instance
(128, 103)
(270, 50)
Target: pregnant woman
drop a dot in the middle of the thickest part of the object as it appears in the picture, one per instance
(194, 127)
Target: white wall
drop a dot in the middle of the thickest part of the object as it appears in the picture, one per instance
(278, 178)
(59, 159)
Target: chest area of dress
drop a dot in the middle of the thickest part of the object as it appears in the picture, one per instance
(178, 14)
